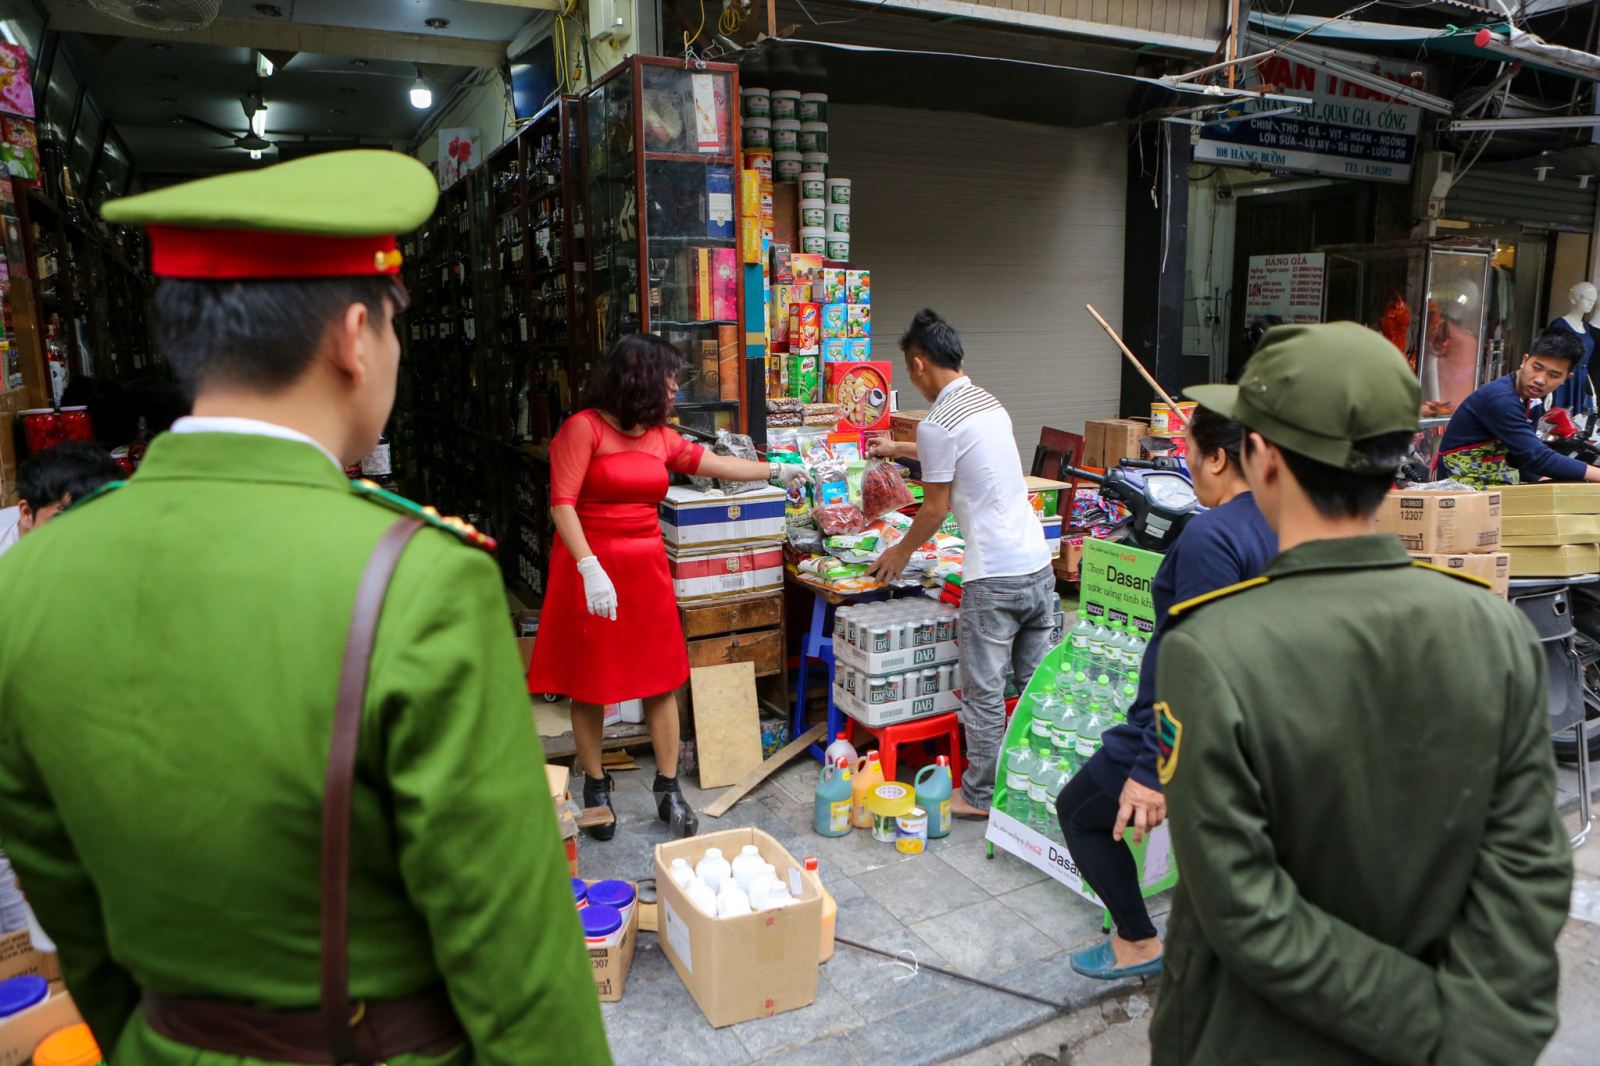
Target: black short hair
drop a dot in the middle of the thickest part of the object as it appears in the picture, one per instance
(1256, 329)
(259, 335)
(1557, 344)
(1337, 493)
(631, 381)
(64, 473)
(1214, 433)
(936, 339)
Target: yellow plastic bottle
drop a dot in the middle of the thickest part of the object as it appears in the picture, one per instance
(868, 776)
(830, 910)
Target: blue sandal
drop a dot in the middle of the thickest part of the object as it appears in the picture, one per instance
(1100, 963)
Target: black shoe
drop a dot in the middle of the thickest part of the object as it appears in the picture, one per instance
(597, 793)
(673, 809)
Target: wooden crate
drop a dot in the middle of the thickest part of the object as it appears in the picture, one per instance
(738, 629)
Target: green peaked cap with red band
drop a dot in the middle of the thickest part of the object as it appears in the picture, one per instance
(330, 215)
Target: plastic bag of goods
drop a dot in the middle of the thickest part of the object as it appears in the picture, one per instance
(883, 489)
(839, 520)
(857, 547)
(806, 539)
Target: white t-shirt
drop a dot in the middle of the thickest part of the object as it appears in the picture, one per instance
(966, 442)
(10, 527)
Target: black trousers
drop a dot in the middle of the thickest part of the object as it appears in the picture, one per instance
(1087, 815)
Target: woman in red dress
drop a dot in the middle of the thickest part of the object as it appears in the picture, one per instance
(609, 630)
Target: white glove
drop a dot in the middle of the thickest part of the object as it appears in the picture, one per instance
(788, 474)
(598, 589)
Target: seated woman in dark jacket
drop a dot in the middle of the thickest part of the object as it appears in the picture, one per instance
(1219, 547)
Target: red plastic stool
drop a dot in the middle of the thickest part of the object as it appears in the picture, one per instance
(939, 727)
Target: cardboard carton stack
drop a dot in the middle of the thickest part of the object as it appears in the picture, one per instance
(1109, 441)
(1552, 529)
(22, 1032)
(1458, 531)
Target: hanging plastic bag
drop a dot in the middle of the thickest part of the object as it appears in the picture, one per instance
(883, 489)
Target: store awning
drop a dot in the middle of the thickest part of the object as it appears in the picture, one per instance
(1500, 42)
(1016, 89)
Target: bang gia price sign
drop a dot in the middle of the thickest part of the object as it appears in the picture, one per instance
(1118, 582)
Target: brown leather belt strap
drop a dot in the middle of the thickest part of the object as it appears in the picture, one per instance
(338, 1019)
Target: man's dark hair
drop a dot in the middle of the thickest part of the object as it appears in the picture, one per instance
(258, 335)
(1256, 329)
(1557, 344)
(631, 381)
(934, 339)
(64, 473)
(1337, 493)
(1214, 433)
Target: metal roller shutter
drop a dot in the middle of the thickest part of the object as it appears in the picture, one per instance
(1005, 228)
(1494, 196)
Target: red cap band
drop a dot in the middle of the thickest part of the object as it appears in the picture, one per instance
(215, 254)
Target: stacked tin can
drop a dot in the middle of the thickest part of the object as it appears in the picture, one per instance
(895, 625)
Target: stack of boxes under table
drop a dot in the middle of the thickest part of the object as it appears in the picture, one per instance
(1458, 531)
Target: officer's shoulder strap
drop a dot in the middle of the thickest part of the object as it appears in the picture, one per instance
(103, 490)
(1471, 579)
(456, 527)
(1188, 607)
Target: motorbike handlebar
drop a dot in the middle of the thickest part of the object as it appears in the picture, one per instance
(1077, 472)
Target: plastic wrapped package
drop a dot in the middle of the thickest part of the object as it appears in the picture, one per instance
(883, 489)
(857, 547)
(839, 520)
(830, 483)
(806, 539)
(737, 446)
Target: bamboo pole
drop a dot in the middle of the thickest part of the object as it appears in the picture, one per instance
(1134, 359)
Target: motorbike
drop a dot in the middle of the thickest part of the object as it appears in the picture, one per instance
(1157, 493)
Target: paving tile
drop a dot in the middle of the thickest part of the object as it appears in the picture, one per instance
(962, 1020)
(864, 918)
(1054, 978)
(984, 939)
(998, 875)
(835, 1051)
(854, 854)
(921, 888)
(1059, 913)
(829, 1016)
(876, 987)
(798, 780)
(658, 1021)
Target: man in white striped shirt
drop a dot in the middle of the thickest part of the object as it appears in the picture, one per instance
(1009, 606)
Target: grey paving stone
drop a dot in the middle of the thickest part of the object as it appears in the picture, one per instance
(1059, 913)
(798, 780)
(829, 1016)
(835, 1051)
(658, 1021)
(959, 1021)
(921, 888)
(1003, 873)
(984, 939)
(854, 854)
(1054, 978)
(877, 987)
(864, 918)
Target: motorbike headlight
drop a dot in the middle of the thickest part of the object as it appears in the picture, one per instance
(1169, 492)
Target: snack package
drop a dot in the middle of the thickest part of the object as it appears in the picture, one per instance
(780, 440)
(839, 520)
(805, 539)
(829, 483)
(864, 547)
(883, 489)
(738, 446)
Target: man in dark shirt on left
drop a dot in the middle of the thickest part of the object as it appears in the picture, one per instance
(1491, 441)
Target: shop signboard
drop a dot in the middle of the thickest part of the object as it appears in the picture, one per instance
(1289, 286)
(1344, 130)
(1117, 585)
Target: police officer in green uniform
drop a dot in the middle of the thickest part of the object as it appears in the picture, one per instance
(1357, 762)
(172, 652)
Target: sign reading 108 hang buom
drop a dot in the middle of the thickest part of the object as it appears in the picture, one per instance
(1344, 130)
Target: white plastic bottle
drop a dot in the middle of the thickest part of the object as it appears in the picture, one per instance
(713, 869)
(778, 897)
(1078, 642)
(680, 872)
(1098, 655)
(731, 901)
(701, 896)
(746, 865)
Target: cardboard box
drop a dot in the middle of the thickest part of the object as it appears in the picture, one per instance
(875, 716)
(558, 779)
(1536, 529)
(22, 1033)
(1442, 522)
(19, 959)
(903, 424)
(752, 966)
(690, 518)
(1045, 495)
(706, 574)
(1107, 442)
(1550, 497)
(1493, 567)
(610, 965)
(895, 662)
(1568, 560)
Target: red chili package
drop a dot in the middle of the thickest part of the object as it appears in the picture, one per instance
(883, 489)
(840, 520)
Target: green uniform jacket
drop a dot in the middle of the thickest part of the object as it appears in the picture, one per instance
(169, 657)
(1357, 759)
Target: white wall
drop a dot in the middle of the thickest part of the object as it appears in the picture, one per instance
(1005, 228)
(486, 105)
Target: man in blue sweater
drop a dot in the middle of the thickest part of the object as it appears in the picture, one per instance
(1490, 440)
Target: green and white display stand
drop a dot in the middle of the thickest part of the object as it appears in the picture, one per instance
(1116, 587)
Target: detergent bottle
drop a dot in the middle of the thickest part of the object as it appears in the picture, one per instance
(830, 909)
(841, 748)
(933, 796)
(868, 776)
(834, 800)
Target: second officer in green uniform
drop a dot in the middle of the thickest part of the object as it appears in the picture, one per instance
(173, 652)
(1357, 762)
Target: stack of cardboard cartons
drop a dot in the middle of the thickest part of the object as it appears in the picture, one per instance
(22, 1032)
(1458, 531)
(1109, 441)
(1552, 529)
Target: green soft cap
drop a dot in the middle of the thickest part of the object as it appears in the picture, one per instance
(1317, 389)
(356, 193)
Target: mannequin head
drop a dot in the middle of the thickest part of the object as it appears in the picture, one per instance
(1583, 297)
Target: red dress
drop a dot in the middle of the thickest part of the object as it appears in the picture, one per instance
(615, 481)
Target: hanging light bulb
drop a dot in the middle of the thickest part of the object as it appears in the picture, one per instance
(421, 95)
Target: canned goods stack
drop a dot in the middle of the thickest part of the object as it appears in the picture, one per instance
(895, 661)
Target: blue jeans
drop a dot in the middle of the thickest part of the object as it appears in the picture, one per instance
(1005, 622)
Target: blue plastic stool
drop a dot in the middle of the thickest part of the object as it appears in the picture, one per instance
(818, 644)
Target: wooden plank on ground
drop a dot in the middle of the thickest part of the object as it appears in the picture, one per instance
(727, 725)
(724, 803)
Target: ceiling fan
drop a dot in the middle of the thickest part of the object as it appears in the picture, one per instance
(253, 138)
(166, 16)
